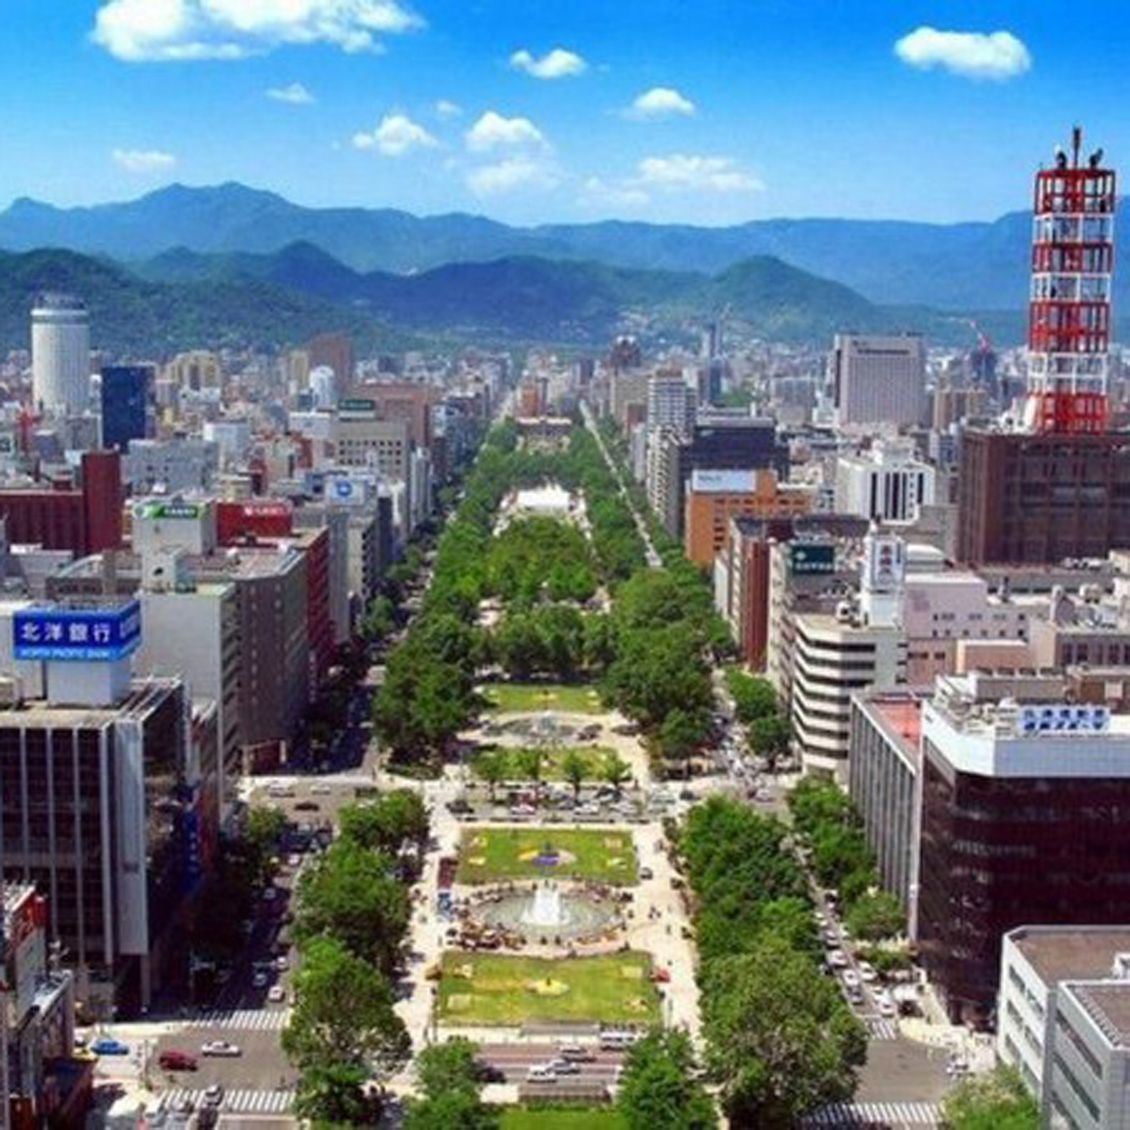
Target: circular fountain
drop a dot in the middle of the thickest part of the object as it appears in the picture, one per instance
(547, 911)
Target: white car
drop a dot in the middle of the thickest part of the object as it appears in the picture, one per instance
(279, 790)
(321, 789)
(887, 1007)
(282, 963)
(867, 971)
(276, 994)
(221, 1048)
(838, 958)
(851, 978)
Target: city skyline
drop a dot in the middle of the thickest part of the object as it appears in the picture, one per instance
(711, 114)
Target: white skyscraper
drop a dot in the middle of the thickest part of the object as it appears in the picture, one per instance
(60, 355)
(879, 379)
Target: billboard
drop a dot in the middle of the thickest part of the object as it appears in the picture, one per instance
(169, 510)
(80, 634)
(806, 560)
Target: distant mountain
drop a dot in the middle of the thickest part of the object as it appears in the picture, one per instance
(132, 316)
(959, 266)
(182, 298)
(561, 300)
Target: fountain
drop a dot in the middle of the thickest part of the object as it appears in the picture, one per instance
(545, 909)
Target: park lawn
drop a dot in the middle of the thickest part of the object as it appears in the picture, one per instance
(562, 1118)
(608, 989)
(525, 698)
(595, 758)
(489, 854)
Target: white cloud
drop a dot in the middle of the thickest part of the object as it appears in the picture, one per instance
(396, 135)
(447, 109)
(143, 160)
(557, 63)
(680, 173)
(510, 174)
(597, 193)
(295, 94)
(971, 54)
(660, 102)
(178, 30)
(493, 131)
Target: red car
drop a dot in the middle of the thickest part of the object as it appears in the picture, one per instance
(173, 1060)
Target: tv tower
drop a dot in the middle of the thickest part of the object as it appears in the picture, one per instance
(1069, 307)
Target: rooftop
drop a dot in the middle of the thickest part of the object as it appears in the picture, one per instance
(1108, 1004)
(1061, 953)
(900, 713)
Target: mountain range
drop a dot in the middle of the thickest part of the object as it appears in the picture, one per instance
(957, 267)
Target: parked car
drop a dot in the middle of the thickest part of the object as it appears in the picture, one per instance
(851, 978)
(838, 959)
(308, 806)
(646, 873)
(108, 1045)
(867, 971)
(321, 789)
(172, 1059)
(276, 994)
(259, 980)
(221, 1048)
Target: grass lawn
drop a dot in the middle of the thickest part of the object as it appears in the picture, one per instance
(489, 854)
(523, 698)
(551, 760)
(562, 1118)
(492, 989)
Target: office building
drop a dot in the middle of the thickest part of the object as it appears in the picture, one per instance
(334, 351)
(1018, 791)
(171, 466)
(123, 819)
(195, 371)
(125, 404)
(714, 497)
(1062, 1021)
(58, 515)
(887, 483)
(1040, 498)
(883, 777)
(879, 379)
(671, 403)
(60, 355)
(363, 439)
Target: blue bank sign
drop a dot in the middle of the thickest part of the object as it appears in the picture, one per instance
(77, 633)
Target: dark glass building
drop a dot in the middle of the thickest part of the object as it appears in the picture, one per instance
(125, 398)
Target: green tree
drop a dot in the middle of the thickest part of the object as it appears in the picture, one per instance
(380, 619)
(389, 824)
(530, 763)
(449, 1081)
(493, 765)
(349, 894)
(575, 768)
(343, 1013)
(875, 915)
(658, 1090)
(997, 1101)
(333, 1094)
(617, 772)
(680, 736)
(753, 697)
(780, 1037)
(769, 737)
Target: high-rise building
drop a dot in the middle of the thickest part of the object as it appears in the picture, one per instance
(879, 379)
(334, 350)
(60, 355)
(125, 402)
(670, 403)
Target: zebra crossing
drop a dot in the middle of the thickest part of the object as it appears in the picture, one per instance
(235, 1102)
(242, 1019)
(896, 1116)
(880, 1029)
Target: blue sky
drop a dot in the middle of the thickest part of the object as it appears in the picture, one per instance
(697, 111)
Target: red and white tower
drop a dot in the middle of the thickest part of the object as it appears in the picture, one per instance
(1069, 308)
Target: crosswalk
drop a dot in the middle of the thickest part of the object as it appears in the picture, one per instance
(243, 1019)
(880, 1029)
(896, 1116)
(235, 1102)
